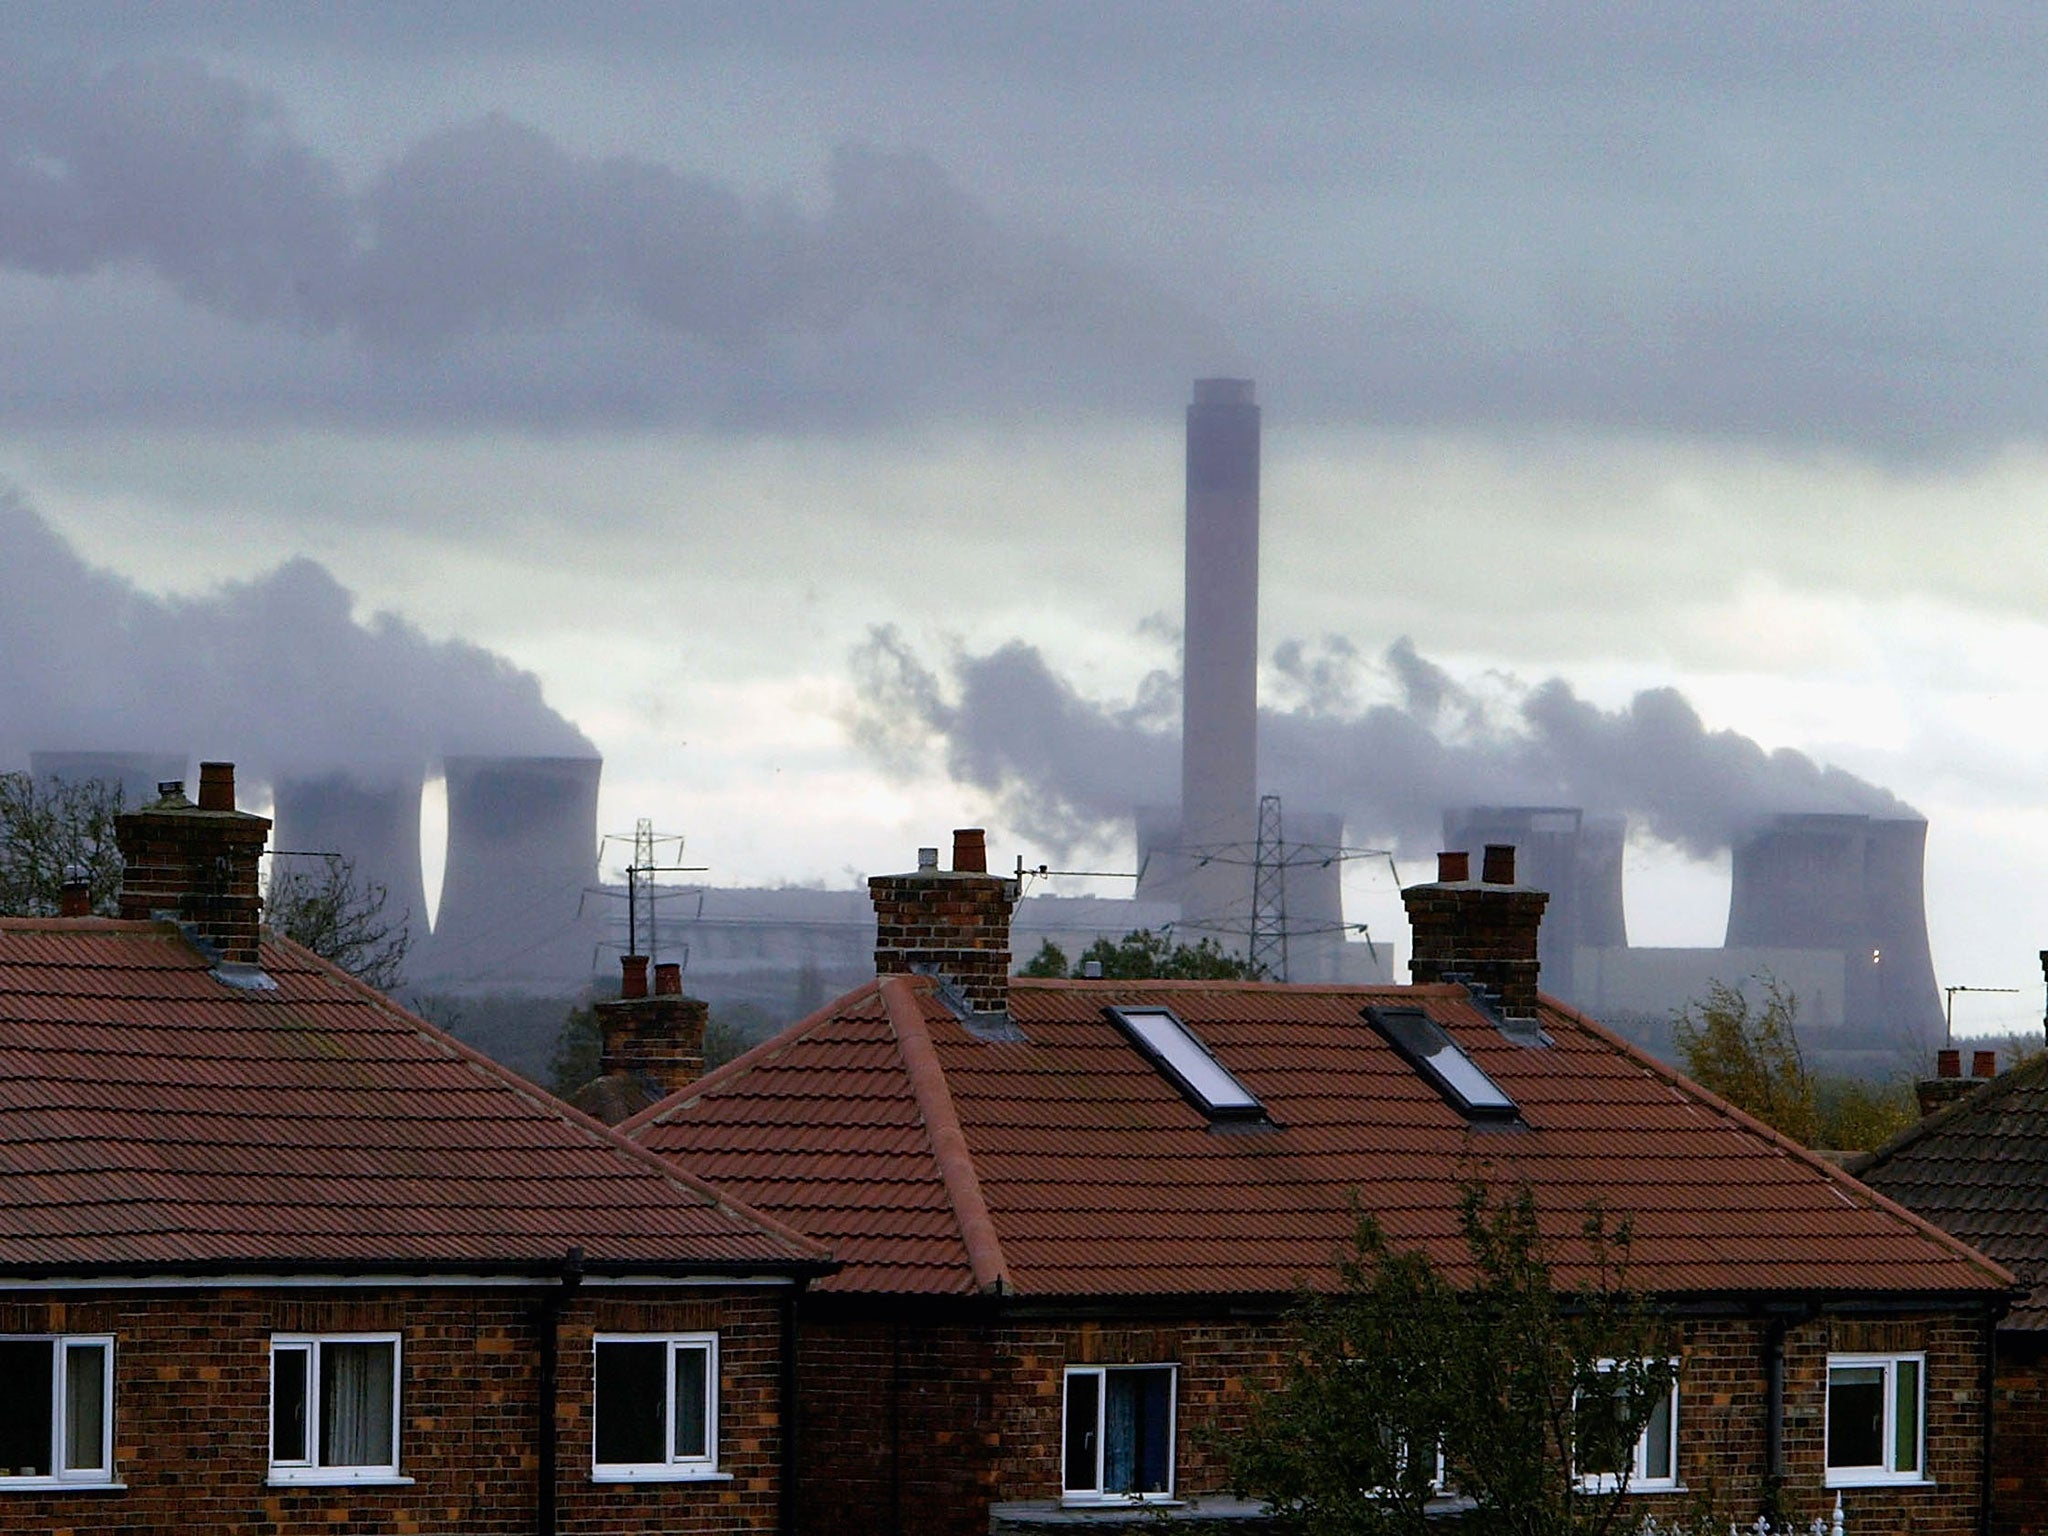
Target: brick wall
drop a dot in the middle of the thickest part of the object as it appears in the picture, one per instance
(1482, 930)
(862, 1463)
(192, 1392)
(2019, 1437)
(659, 1038)
(955, 922)
(899, 1427)
(199, 861)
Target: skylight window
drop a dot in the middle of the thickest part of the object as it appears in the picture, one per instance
(1443, 1061)
(1188, 1063)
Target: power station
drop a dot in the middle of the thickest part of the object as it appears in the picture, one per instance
(1831, 904)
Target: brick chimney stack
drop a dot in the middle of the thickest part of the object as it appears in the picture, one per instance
(1948, 1083)
(196, 862)
(953, 922)
(657, 1040)
(1478, 931)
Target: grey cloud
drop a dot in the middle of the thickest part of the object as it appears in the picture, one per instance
(1069, 770)
(275, 672)
(490, 269)
(1798, 224)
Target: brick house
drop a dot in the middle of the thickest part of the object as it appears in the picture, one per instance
(278, 1256)
(1979, 1166)
(1071, 1215)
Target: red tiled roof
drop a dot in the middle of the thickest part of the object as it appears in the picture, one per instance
(154, 1118)
(935, 1161)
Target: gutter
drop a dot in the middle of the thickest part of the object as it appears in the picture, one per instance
(548, 1320)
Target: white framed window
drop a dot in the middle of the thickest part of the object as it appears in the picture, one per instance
(1877, 1419)
(1650, 1465)
(654, 1410)
(1402, 1451)
(56, 1409)
(334, 1407)
(1117, 1433)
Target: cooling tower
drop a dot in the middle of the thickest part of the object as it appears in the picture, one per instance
(368, 815)
(1855, 885)
(1315, 895)
(1602, 918)
(1558, 849)
(522, 849)
(1220, 677)
(138, 773)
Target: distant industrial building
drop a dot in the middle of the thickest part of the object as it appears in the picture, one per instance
(1832, 907)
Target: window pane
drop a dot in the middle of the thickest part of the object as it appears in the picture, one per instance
(1188, 1058)
(1906, 1416)
(25, 1367)
(1154, 1438)
(1442, 1058)
(1597, 1419)
(1083, 1400)
(632, 1404)
(85, 1407)
(355, 1405)
(691, 1436)
(1136, 1422)
(1856, 1416)
(1657, 1442)
(288, 1404)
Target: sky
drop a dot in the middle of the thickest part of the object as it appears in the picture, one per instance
(785, 400)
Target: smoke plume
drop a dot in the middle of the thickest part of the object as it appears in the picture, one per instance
(273, 672)
(1389, 742)
(611, 286)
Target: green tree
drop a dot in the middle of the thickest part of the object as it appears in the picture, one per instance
(48, 827)
(579, 1053)
(325, 905)
(1523, 1389)
(1146, 956)
(1856, 1116)
(1750, 1055)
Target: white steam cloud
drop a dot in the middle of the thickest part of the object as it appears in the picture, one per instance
(1390, 743)
(274, 672)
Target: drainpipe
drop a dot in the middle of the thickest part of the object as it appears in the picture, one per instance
(1774, 1423)
(792, 1462)
(895, 1424)
(1990, 1391)
(548, 1318)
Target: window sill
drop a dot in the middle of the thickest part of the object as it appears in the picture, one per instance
(1635, 1486)
(58, 1485)
(1119, 1501)
(332, 1477)
(1877, 1480)
(628, 1475)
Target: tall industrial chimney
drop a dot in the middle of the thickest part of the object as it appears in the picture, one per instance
(522, 848)
(1220, 676)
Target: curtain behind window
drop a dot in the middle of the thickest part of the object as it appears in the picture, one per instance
(85, 1407)
(1136, 1419)
(355, 1405)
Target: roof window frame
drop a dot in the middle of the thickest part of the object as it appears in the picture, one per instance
(1399, 1028)
(1251, 1111)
